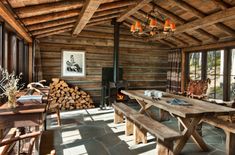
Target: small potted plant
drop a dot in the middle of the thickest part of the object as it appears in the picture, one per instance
(9, 84)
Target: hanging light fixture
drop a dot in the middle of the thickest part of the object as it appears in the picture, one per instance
(151, 28)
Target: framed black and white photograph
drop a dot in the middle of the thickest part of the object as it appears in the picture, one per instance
(73, 63)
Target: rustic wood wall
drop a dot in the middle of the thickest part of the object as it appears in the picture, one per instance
(145, 64)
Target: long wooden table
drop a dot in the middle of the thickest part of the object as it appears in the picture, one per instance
(28, 114)
(189, 116)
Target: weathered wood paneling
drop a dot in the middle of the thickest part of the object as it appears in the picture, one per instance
(145, 64)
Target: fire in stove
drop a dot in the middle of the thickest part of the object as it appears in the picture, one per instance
(120, 96)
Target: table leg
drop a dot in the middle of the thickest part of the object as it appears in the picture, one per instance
(37, 142)
(144, 107)
(142, 104)
(189, 131)
(230, 143)
(1, 133)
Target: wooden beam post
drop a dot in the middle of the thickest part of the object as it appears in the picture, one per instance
(87, 12)
(9, 18)
(139, 4)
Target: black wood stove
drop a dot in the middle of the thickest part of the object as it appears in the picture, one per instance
(112, 81)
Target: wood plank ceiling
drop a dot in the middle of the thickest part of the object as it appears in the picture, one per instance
(198, 22)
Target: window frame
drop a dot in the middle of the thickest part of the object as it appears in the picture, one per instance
(226, 70)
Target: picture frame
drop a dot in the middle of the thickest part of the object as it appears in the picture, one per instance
(73, 63)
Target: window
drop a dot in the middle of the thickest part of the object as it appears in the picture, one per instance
(195, 66)
(215, 66)
(219, 66)
(232, 78)
(13, 52)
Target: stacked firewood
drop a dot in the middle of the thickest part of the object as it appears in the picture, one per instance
(69, 98)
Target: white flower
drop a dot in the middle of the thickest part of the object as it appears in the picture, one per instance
(9, 82)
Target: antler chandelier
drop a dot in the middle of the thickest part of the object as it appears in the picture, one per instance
(151, 27)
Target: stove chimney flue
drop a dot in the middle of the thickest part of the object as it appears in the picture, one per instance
(116, 50)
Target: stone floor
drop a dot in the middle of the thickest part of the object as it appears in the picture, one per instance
(93, 132)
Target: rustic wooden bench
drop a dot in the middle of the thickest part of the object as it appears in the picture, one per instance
(121, 110)
(143, 124)
(165, 135)
(229, 129)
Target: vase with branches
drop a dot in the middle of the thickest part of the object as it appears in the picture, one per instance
(9, 85)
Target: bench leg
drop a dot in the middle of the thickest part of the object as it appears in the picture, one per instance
(230, 143)
(129, 127)
(118, 117)
(164, 148)
(140, 135)
(58, 115)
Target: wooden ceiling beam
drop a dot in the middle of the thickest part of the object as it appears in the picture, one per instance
(205, 33)
(98, 23)
(200, 14)
(144, 14)
(114, 5)
(225, 29)
(52, 24)
(54, 32)
(210, 46)
(185, 6)
(50, 17)
(87, 12)
(72, 13)
(220, 16)
(127, 24)
(179, 41)
(221, 4)
(107, 12)
(48, 24)
(167, 13)
(179, 20)
(139, 4)
(104, 18)
(9, 18)
(52, 29)
(163, 41)
(47, 8)
(192, 38)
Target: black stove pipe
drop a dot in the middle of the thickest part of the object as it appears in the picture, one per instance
(116, 51)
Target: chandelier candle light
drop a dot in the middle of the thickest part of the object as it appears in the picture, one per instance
(151, 28)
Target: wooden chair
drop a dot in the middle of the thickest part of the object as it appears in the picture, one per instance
(198, 88)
